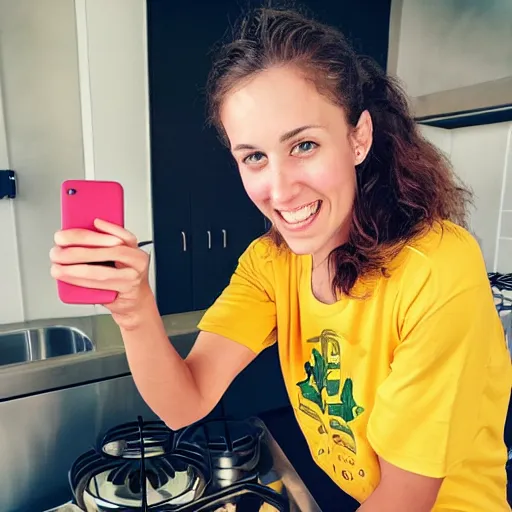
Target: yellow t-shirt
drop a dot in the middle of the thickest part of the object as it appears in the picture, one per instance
(417, 373)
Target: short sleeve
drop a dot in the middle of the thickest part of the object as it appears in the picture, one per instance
(427, 411)
(245, 312)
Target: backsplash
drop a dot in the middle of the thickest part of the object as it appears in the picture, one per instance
(482, 157)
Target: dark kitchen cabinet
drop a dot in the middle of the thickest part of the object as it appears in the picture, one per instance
(202, 218)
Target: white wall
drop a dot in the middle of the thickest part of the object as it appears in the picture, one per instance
(75, 105)
(41, 103)
(12, 304)
(482, 157)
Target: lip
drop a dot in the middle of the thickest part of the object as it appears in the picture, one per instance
(301, 226)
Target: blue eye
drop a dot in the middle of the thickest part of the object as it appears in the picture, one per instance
(304, 147)
(254, 158)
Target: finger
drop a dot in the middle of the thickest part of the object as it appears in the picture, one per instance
(128, 256)
(113, 229)
(85, 238)
(100, 278)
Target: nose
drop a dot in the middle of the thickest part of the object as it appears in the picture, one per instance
(284, 186)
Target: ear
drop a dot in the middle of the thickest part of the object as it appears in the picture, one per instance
(362, 137)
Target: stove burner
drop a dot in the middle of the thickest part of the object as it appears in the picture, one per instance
(135, 466)
(145, 466)
(168, 481)
(233, 447)
(158, 472)
(124, 441)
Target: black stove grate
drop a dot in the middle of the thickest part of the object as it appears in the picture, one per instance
(228, 453)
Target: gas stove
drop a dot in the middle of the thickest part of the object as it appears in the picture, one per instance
(213, 465)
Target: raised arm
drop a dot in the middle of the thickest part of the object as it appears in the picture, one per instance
(239, 325)
(181, 391)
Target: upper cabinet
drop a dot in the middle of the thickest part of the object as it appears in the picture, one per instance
(453, 56)
(203, 219)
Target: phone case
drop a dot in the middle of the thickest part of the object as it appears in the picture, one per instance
(83, 201)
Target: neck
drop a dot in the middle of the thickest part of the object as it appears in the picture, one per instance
(321, 257)
(320, 260)
(321, 281)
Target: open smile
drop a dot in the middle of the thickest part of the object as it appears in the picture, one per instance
(300, 217)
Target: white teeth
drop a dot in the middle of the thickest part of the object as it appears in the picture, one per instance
(300, 215)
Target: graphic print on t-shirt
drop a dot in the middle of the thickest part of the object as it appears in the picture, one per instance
(324, 397)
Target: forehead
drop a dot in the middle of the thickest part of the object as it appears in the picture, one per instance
(275, 101)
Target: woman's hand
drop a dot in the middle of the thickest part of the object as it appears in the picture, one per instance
(74, 248)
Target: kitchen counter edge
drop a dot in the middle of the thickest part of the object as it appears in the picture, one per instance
(106, 361)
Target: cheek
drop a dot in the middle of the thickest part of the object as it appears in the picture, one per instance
(256, 187)
(335, 175)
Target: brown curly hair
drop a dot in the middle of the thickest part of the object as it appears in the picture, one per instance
(404, 185)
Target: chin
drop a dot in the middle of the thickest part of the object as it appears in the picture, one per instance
(316, 246)
(303, 247)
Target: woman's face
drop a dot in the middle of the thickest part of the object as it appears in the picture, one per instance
(297, 156)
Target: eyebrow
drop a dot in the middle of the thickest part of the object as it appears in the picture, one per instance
(286, 136)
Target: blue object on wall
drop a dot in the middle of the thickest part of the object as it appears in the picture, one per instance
(7, 184)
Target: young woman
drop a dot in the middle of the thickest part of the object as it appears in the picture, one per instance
(392, 352)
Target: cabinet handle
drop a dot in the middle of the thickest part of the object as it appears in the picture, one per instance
(224, 238)
(184, 238)
(209, 234)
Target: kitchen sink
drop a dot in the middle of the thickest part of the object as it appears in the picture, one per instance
(26, 345)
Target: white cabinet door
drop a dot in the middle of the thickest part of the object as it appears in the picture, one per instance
(112, 55)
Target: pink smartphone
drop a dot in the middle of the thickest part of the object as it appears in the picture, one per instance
(83, 201)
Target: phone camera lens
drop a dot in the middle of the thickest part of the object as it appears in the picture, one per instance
(71, 191)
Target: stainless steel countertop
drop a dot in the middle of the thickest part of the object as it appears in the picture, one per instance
(107, 360)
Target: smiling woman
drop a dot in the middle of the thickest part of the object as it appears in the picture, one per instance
(367, 268)
(392, 352)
